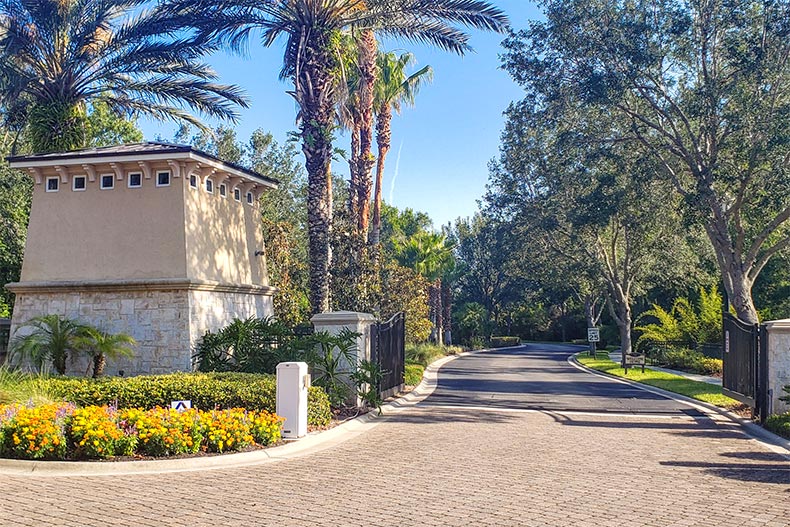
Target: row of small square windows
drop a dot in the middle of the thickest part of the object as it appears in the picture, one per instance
(135, 180)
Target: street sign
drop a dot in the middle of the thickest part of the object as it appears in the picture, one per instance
(181, 406)
(593, 335)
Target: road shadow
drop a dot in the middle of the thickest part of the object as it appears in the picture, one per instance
(449, 415)
(778, 473)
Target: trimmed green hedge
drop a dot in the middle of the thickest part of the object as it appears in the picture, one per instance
(206, 391)
(504, 342)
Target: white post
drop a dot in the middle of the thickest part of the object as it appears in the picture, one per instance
(334, 322)
(778, 364)
(292, 384)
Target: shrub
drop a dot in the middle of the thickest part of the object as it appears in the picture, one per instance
(207, 391)
(413, 374)
(504, 342)
(425, 354)
(691, 361)
(779, 424)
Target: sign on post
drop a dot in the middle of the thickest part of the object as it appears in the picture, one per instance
(593, 335)
(181, 406)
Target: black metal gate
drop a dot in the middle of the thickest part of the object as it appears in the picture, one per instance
(389, 352)
(741, 350)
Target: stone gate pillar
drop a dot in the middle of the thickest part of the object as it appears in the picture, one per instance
(334, 322)
(778, 355)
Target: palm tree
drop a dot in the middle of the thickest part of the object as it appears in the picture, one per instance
(431, 255)
(311, 29)
(100, 346)
(51, 338)
(393, 89)
(58, 55)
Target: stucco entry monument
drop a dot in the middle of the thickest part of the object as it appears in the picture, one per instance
(156, 240)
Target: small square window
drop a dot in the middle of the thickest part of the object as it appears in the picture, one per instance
(209, 186)
(53, 184)
(135, 180)
(223, 190)
(78, 183)
(193, 181)
(162, 179)
(107, 181)
(237, 194)
(249, 198)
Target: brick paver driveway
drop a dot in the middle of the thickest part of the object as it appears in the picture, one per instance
(515, 437)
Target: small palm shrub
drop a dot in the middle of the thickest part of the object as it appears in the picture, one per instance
(48, 340)
(686, 321)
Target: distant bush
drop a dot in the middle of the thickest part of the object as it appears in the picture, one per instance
(504, 342)
(413, 375)
(692, 361)
(425, 354)
(207, 391)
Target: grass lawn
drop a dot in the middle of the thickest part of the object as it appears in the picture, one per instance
(702, 391)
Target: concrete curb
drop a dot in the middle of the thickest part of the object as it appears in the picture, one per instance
(772, 441)
(314, 442)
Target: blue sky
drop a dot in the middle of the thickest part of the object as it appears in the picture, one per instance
(444, 143)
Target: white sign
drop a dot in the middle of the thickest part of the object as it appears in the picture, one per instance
(593, 335)
(181, 406)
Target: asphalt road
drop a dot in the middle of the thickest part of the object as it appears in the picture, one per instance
(539, 377)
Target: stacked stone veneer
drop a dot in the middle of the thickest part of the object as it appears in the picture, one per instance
(167, 324)
(778, 364)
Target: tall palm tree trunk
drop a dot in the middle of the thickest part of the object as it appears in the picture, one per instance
(353, 187)
(383, 141)
(368, 70)
(313, 83)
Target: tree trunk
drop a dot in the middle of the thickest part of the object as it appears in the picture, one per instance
(353, 183)
(99, 363)
(383, 140)
(447, 295)
(313, 92)
(368, 70)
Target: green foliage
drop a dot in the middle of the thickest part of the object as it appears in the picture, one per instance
(685, 321)
(413, 374)
(206, 391)
(253, 346)
(779, 424)
(48, 339)
(109, 52)
(56, 126)
(691, 361)
(424, 353)
(16, 190)
(367, 379)
(331, 358)
(105, 128)
(504, 342)
(17, 387)
(471, 320)
(702, 391)
(405, 290)
(101, 345)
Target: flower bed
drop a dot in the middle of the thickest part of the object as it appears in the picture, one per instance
(207, 391)
(63, 431)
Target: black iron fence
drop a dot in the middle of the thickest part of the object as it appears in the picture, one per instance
(5, 335)
(741, 347)
(388, 351)
(657, 351)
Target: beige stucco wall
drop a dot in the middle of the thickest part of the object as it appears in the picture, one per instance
(96, 234)
(223, 235)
